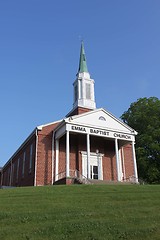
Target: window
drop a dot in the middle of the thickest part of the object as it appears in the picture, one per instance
(94, 172)
(31, 156)
(88, 91)
(9, 173)
(13, 167)
(23, 164)
(17, 169)
(102, 118)
(75, 93)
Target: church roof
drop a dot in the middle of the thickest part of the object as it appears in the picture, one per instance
(82, 60)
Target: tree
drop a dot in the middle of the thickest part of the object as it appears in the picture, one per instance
(144, 117)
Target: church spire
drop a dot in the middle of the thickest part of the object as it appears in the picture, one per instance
(83, 85)
(82, 60)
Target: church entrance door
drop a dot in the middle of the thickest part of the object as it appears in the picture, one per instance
(95, 166)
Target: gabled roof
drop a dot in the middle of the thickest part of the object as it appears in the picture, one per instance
(48, 124)
(101, 118)
(28, 138)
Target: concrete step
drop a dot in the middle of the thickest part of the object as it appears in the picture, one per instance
(95, 181)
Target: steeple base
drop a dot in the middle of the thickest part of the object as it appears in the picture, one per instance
(77, 111)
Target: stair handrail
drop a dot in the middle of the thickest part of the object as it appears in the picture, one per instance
(73, 174)
(81, 177)
(131, 179)
(61, 175)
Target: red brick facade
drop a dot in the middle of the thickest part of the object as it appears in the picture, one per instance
(44, 156)
(19, 170)
(77, 111)
(34, 164)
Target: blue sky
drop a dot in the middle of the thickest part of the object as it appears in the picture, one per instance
(39, 56)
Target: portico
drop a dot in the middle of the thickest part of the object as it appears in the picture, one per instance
(103, 128)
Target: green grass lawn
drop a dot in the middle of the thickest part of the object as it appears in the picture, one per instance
(81, 212)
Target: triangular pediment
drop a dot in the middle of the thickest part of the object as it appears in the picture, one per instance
(101, 118)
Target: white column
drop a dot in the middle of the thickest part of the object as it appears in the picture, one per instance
(117, 159)
(57, 159)
(120, 165)
(36, 158)
(67, 154)
(53, 136)
(124, 171)
(100, 168)
(88, 156)
(134, 162)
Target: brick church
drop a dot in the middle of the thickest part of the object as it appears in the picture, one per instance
(88, 145)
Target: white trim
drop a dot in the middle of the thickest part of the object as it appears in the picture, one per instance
(47, 124)
(120, 165)
(106, 112)
(84, 165)
(53, 135)
(88, 156)
(117, 158)
(134, 162)
(99, 164)
(123, 163)
(92, 153)
(61, 131)
(67, 155)
(96, 131)
(35, 171)
(57, 159)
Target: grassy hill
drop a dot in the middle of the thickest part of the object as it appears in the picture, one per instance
(109, 212)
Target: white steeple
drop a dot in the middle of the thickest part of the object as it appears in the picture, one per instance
(83, 85)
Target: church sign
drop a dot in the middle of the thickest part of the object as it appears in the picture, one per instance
(99, 132)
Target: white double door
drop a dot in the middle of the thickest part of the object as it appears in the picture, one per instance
(95, 166)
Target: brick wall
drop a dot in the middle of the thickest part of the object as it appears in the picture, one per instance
(19, 171)
(78, 143)
(78, 110)
(128, 157)
(44, 155)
